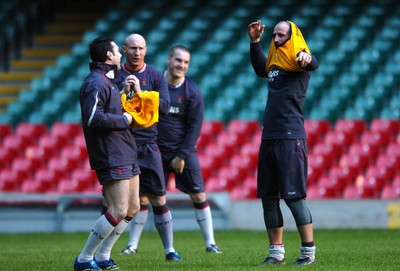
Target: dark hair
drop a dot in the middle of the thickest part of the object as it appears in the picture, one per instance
(99, 48)
(176, 47)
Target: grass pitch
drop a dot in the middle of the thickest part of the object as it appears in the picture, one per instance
(337, 250)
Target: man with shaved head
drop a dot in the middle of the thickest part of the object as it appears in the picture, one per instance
(136, 76)
(282, 163)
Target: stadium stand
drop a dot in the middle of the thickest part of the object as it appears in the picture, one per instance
(352, 109)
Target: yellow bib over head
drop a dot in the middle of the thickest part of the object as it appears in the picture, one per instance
(143, 108)
(284, 57)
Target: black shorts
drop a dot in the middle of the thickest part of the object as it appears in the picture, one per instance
(191, 179)
(282, 169)
(117, 173)
(152, 180)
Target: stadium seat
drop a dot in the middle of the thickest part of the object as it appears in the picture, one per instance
(365, 150)
(329, 150)
(67, 186)
(217, 184)
(5, 130)
(320, 192)
(61, 166)
(351, 127)
(393, 149)
(340, 140)
(233, 176)
(244, 191)
(31, 186)
(375, 138)
(390, 192)
(23, 167)
(355, 162)
(9, 180)
(246, 127)
(31, 131)
(207, 166)
(65, 131)
(353, 192)
(15, 144)
(317, 127)
(85, 179)
(46, 180)
(344, 176)
(242, 162)
(74, 154)
(319, 162)
(38, 155)
(390, 127)
(6, 156)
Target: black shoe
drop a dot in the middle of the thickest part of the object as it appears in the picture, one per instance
(272, 260)
(304, 260)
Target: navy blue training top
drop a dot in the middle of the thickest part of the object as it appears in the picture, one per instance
(283, 117)
(150, 79)
(179, 131)
(108, 140)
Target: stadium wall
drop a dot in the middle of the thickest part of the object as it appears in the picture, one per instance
(64, 216)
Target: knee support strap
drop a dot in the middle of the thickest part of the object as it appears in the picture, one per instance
(272, 213)
(300, 211)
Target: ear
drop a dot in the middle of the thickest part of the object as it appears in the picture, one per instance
(109, 54)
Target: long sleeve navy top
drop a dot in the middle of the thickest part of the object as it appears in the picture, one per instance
(108, 139)
(179, 131)
(283, 117)
(150, 79)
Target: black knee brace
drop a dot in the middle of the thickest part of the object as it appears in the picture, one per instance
(300, 211)
(272, 213)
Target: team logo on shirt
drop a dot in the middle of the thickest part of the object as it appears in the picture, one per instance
(179, 99)
(144, 81)
(174, 110)
(119, 171)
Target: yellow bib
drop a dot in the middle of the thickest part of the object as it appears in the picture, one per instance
(284, 57)
(143, 108)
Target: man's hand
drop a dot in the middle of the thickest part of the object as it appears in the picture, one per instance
(303, 59)
(129, 117)
(178, 164)
(132, 83)
(255, 31)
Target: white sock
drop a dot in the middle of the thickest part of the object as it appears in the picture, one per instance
(308, 252)
(163, 225)
(204, 219)
(101, 230)
(104, 252)
(136, 227)
(277, 251)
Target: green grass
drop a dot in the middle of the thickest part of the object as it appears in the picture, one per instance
(336, 250)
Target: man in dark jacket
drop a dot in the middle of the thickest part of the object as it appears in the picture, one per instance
(112, 154)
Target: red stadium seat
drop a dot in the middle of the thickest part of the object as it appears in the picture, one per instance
(232, 176)
(220, 153)
(65, 131)
(344, 176)
(375, 138)
(244, 192)
(31, 131)
(390, 161)
(245, 128)
(15, 144)
(339, 140)
(393, 149)
(365, 150)
(31, 186)
(390, 192)
(24, 167)
(354, 128)
(67, 186)
(319, 162)
(319, 127)
(74, 154)
(46, 179)
(231, 139)
(9, 180)
(79, 141)
(250, 149)
(376, 177)
(330, 150)
(333, 186)
(6, 157)
(390, 127)
(52, 144)
(5, 130)
(85, 179)
(353, 192)
(242, 162)
(217, 184)
(38, 155)
(320, 192)
(207, 166)
(355, 162)
(212, 128)
(61, 166)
